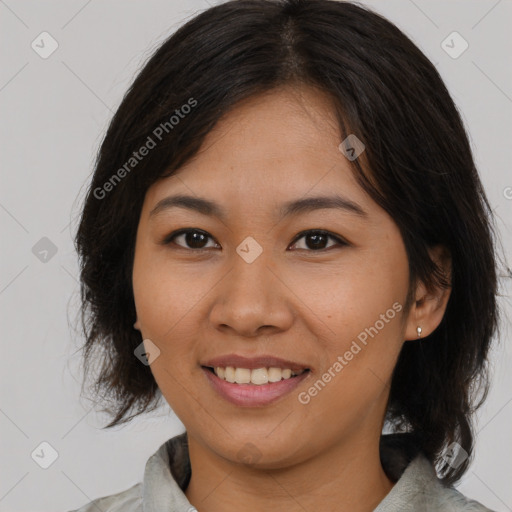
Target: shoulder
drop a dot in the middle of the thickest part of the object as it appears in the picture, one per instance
(451, 500)
(417, 485)
(158, 485)
(129, 500)
(418, 488)
(432, 494)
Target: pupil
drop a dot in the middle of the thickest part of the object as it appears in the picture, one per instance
(317, 237)
(194, 239)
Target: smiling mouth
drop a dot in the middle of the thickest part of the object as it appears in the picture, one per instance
(257, 376)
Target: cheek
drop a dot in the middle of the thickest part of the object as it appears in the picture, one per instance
(361, 348)
(171, 304)
(164, 302)
(163, 294)
(352, 299)
(361, 321)
(157, 309)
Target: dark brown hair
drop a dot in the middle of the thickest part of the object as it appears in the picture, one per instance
(417, 166)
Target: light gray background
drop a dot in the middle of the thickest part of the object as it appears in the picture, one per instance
(54, 115)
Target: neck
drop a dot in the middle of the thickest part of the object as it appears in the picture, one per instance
(346, 477)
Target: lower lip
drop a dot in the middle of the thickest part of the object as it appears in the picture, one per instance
(253, 395)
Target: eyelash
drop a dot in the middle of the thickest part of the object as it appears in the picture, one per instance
(169, 239)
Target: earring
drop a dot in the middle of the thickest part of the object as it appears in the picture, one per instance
(418, 330)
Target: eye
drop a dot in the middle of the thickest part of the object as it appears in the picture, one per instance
(316, 239)
(194, 238)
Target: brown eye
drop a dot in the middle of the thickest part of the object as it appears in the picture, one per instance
(316, 240)
(191, 239)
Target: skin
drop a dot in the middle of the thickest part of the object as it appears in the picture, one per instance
(295, 301)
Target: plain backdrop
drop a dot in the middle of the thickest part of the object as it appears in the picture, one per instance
(54, 113)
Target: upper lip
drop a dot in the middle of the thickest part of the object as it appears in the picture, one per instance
(251, 363)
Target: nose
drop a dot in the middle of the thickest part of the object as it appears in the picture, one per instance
(252, 300)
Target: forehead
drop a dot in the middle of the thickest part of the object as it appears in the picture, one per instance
(278, 145)
(283, 123)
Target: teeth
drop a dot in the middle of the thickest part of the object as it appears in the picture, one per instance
(257, 376)
(242, 376)
(275, 374)
(229, 374)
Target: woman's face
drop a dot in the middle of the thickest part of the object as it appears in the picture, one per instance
(255, 279)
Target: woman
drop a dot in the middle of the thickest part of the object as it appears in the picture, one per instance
(286, 237)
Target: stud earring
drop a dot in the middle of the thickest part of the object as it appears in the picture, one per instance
(418, 330)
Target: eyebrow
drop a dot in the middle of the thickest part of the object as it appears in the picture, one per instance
(307, 204)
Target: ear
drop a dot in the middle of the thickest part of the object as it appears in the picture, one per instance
(136, 325)
(429, 306)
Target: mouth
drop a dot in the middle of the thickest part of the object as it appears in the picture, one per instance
(255, 376)
(253, 387)
(253, 381)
